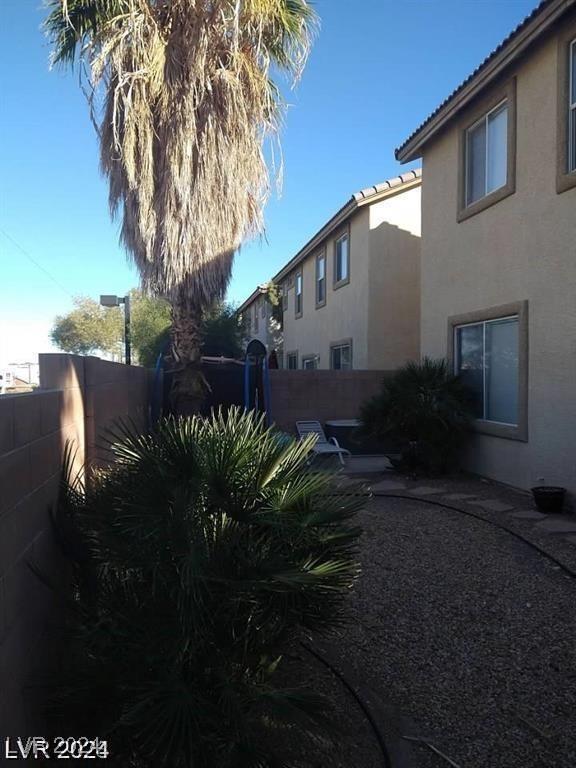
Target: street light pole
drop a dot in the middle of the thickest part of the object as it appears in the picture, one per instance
(114, 301)
(127, 336)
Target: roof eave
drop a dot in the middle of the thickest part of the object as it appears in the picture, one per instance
(412, 149)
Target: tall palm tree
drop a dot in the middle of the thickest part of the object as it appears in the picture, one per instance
(182, 95)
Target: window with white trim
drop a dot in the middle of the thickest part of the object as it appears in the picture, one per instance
(292, 361)
(298, 294)
(310, 363)
(341, 259)
(321, 279)
(341, 357)
(487, 154)
(572, 108)
(487, 359)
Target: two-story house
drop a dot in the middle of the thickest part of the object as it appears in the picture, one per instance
(498, 279)
(350, 296)
(260, 320)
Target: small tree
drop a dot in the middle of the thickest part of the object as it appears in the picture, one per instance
(206, 549)
(89, 328)
(427, 409)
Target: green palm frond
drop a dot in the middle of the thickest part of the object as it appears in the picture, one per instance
(424, 404)
(213, 547)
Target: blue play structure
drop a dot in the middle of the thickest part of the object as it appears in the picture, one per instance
(257, 379)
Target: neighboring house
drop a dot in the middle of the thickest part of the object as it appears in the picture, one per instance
(351, 295)
(499, 247)
(260, 322)
(12, 384)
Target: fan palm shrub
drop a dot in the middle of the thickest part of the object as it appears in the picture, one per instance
(426, 409)
(183, 94)
(204, 551)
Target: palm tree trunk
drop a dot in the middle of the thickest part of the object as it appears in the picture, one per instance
(189, 385)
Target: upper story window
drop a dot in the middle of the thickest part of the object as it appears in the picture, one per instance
(572, 109)
(342, 260)
(487, 166)
(487, 154)
(298, 294)
(566, 110)
(321, 279)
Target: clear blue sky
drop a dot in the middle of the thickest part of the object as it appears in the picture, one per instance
(377, 70)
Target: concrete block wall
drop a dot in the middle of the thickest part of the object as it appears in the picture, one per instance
(320, 395)
(78, 398)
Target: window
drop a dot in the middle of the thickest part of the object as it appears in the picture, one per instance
(487, 154)
(487, 166)
(341, 260)
(572, 107)
(566, 114)
(292, 361)
(298, 294)
(321, 279)
(310, 363)
(487, 358)
(341, 356)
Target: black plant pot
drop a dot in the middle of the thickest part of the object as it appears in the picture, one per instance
(549, 499)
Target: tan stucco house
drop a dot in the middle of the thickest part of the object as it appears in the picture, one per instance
(350, 296)
(498, 275)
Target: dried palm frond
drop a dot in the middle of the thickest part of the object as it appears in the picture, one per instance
(188, 101)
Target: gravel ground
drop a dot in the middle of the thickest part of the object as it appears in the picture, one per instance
(352, 743)
(470, 633)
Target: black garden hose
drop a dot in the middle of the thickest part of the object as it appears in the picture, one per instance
(358, 699)
(342, 677)
(493, 523)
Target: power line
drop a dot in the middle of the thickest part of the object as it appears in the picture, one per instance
(36, 264)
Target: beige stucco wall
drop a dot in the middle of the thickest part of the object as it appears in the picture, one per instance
(344, 315)
(394, 280)
(521, 248)
(379, 308)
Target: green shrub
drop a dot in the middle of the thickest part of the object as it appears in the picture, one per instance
(426, 409)
(205, 551)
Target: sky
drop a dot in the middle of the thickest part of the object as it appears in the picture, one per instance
(377, 69)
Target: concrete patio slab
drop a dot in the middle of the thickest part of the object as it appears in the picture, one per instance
(389, 485)
(528, 514)
(557, 525)
(492, 504)
(361, 464)
(459, 496)
(426, 490)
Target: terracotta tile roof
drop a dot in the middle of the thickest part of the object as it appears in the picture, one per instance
(395, 181)
(539, 10)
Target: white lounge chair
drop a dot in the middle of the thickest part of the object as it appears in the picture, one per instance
(322, 445)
